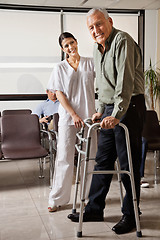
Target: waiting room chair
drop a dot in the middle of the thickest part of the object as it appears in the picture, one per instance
(16, 111)
(13, 112)
(21, 139)
(53, 120)
(151, 132)
(0, 138)
(0, 128)
(53, 128)
(0, 154)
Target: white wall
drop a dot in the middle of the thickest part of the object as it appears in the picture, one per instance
(29, 48)
(151, 18)
(151, 21)
(37, 75)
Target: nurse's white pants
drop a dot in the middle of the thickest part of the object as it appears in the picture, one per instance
(64, 165)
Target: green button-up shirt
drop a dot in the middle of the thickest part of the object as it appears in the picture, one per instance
(119, 74)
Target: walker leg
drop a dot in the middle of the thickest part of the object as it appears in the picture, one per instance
(76, 184)
(131, 174)
(120, 182)
(155, 167)
(77, 176)
(79, 234)
(139, 234)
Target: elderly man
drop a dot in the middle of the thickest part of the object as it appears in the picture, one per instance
(120, 88)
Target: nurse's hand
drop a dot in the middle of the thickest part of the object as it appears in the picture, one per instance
(109, 122)
(78, 122)
(96, 117)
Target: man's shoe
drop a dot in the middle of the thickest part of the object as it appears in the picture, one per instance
(144, 183)
(125, 225)
(87, 217)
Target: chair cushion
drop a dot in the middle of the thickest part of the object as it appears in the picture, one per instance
(21, 137)
(24, 153)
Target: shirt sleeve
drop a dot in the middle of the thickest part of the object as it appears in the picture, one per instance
(55, 81)
(125, 67)
(100, 104)
(39, 110)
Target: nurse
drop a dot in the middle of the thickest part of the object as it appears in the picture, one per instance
(73, 81)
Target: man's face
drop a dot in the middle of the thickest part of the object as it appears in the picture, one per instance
(51, 95)
(99, 27)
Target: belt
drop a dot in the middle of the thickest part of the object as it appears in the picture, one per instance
(133, 99)
(111, 104)
(137, 97)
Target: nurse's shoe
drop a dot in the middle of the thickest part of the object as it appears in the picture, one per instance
(52, 209)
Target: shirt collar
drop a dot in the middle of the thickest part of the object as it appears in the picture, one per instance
(51, 100)
(110, 38)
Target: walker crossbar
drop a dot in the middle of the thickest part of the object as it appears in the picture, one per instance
(80, 138)
(80, 151)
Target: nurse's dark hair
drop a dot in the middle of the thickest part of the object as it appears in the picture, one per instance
(65, 35)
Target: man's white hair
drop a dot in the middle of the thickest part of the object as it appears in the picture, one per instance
(102, 10)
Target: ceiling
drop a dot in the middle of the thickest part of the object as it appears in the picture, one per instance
(111, 4)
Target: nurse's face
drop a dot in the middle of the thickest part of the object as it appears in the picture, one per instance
(70, 47)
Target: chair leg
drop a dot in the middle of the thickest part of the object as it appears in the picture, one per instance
(158, 160)
(156, 156)
(41, 168)
(52, 157)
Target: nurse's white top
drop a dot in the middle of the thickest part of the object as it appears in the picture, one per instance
(78, 87)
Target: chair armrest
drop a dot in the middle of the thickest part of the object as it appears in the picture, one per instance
(49, 139)
(47, 133)
(54, 133)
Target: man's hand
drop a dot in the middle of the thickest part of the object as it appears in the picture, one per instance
(96, 117)
(109, 122)
(44, 119)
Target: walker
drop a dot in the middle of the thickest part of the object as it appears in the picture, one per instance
(85, 152)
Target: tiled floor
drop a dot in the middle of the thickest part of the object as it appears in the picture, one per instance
(24, 214)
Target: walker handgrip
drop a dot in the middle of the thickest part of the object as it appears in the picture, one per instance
(88, 122)
(96, 126)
